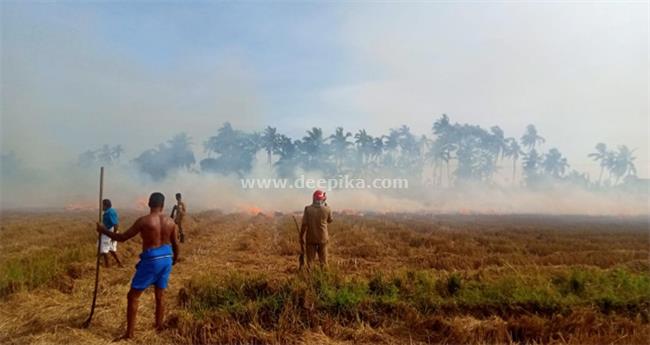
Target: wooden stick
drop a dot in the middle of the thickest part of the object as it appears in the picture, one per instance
(99, 244)
(301, 258)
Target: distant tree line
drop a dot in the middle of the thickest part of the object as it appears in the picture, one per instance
(452, 155)
(106, 155)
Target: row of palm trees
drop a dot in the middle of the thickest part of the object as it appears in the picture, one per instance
(617, 163)
(454, 153)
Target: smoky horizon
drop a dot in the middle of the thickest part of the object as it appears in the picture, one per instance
(522, 107)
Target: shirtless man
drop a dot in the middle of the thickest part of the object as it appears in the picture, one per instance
(159, 253)
(178, 214)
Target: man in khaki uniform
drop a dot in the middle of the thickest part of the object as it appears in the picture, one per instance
(178, 214)
(314, 226)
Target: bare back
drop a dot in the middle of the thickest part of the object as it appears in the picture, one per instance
(156, 229)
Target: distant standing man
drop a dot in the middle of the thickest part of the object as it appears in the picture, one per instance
(314, 228)
(178, 214)
(111, 223)
(159, 253)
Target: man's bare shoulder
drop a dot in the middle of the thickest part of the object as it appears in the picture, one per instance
(141, 220)
(146, 219)
(150, 220)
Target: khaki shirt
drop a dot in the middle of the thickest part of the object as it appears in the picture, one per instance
(314, 223)
(180, 212)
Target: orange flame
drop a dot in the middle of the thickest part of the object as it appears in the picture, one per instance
(250, 209)
(141, 203)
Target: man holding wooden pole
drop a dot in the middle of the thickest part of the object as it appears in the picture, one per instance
(111, 222)
(160, 251)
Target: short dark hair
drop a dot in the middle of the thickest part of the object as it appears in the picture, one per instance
(178, 195)
(107, 203)
(156, 199)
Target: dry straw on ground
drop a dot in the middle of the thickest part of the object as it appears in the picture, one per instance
(393, 279)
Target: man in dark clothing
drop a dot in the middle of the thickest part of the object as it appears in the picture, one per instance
(314, 229)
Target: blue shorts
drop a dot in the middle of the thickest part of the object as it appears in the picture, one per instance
(154, 268)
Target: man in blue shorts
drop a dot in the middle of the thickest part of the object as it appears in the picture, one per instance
(159, 253)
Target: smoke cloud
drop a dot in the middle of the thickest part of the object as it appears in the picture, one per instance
(76, 77)
(76, 188)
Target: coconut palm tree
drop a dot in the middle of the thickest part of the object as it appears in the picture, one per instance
(169, 156)
(439, 154)
(288, 153)
(269, 141)
(179, 148)
(340, 146)
(235, 151)
(314, 142)
(286, 147)
(377, 148)
(604, 157)
(443, 145)
(363, 142)
(409, 150)
(314, 151)
(391, 145)
(442, 126)
(623, 163)
(554, 163)
(532, 161)
(492, 144)
(496, 142)
(530, 139)
(513, 150)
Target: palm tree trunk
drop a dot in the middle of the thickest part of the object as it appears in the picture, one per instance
(433, 174)
(600, 176)
(448, 178)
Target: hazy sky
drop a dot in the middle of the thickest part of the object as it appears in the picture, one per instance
(76, 76)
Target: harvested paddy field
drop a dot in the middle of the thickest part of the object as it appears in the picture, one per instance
(392, 278)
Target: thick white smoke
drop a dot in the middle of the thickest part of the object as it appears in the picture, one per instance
(71, 187)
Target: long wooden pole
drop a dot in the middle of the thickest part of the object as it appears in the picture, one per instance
(99, 244)
(301, 258)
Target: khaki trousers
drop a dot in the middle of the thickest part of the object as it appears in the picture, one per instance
(316, 248)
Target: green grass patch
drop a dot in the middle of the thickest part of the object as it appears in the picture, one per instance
(39, 268)
(245, 296)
